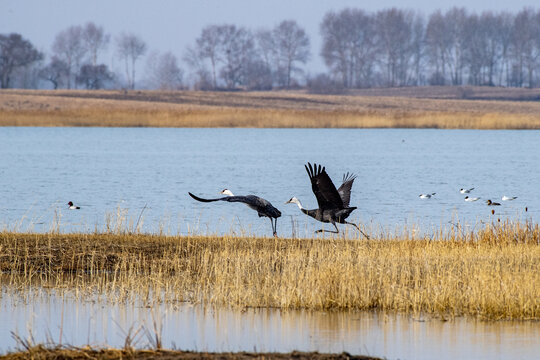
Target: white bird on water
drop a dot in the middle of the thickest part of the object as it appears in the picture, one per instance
(466, 191)
(508, 198)
(426, 196)
(471, 198)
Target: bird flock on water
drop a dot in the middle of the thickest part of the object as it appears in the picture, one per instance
(472, 198)
(333, 202)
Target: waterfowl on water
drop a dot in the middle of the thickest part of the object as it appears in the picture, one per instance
(466, 191)
(491, 203)
(72, 207)
(509, 198)
(471, 199)
(426, 196)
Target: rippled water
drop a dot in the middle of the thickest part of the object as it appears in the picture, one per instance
(188, 327)
(130, 176)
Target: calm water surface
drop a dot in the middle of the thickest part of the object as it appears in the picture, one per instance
(124, 177)
(129, 176)
(190, 327)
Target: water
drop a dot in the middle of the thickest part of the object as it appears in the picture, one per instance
(138, 176)
(188, 327)
(123, 175)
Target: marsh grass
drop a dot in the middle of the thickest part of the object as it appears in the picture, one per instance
(490, 274)
(54, 352)
(258, 109)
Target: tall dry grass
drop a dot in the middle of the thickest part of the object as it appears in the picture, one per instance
(490, 274)
(264, 110)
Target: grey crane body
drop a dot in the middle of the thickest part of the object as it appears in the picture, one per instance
(333, 203)
(330, 215)
(263, 207)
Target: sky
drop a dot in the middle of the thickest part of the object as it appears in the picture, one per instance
(172, 25)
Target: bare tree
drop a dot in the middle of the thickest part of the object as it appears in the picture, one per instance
(395, 39)
(257, 75)
(524, 51)
(95, 39)
(418, 49)
(437, 43)
(266, 48)
(56, 72)
(446, 40)
(163, 71)
(68, 47)
(94, 77)
(504, 33)
(202, 78)
(15, 53)
(490, 27)
(292, 46)
(130, 48)
(208, 47)
(456, 19)
(238, 50)
(349, 46)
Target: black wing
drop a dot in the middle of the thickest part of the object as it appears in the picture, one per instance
(250, 200)
(323, 188)
(345, 188)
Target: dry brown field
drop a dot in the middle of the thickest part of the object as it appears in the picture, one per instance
(423, 107)
(491, 274)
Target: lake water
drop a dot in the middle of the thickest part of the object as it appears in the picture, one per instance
(118, 175)
(129, 176)
(187, 327)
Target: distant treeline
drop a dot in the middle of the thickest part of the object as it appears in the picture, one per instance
(361, 49)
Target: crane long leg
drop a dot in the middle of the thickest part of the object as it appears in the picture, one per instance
(357, 228)
(333, 232)
(274, 227)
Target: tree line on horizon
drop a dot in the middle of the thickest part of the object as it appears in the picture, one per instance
(387, 48)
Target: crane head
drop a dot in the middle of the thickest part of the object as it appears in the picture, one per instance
(226, 192)
(294, 200)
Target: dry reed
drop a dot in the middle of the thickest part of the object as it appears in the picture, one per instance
(490, 274)
(264, 109)
(56, 352)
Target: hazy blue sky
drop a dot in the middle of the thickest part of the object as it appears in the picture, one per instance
(168, 25)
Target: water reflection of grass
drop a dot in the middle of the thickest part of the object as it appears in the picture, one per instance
(490, 274)
(267, 109)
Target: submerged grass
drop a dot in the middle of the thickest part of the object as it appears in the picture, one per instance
(490, 274)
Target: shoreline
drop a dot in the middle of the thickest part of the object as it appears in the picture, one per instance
(68, 352)
(518, 109)
(489, 275)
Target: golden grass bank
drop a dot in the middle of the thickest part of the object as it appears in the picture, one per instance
(258, 110)
(492, 274)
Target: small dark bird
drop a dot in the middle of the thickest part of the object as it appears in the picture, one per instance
(333, 203)
(491, 203)
(262, 206)
(73, 207)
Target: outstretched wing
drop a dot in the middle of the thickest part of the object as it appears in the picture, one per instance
(323, 188)
(205, 200)
(345, 188)
(243, 199)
